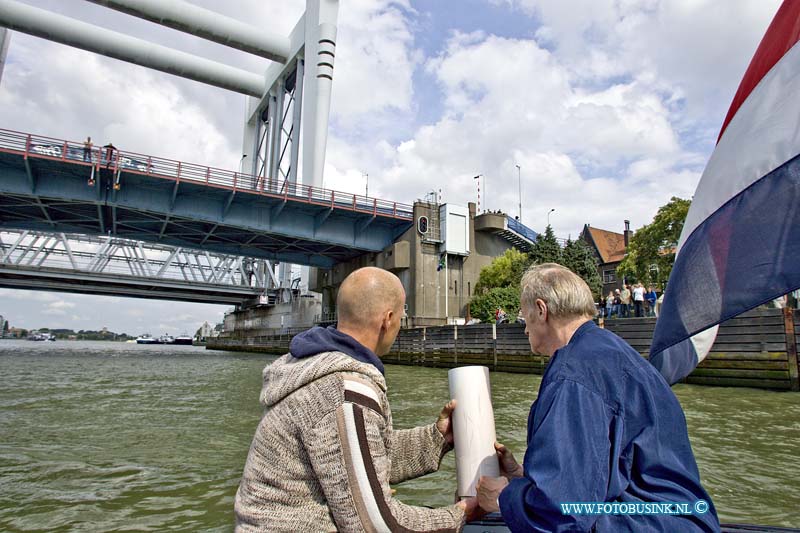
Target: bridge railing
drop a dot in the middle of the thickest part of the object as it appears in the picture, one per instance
(79, 153)
(521, 229)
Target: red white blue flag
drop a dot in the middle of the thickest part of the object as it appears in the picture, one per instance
(740, 245)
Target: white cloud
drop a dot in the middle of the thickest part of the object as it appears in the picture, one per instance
(374, 60)
(528, 110)
(34, 296)
(699, 47)
(58, 308)
(610, 110)
(139, 112)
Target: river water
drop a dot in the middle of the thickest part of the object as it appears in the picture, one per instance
(99, 436)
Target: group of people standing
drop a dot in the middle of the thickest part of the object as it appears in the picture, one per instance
(631, 300)
(107, 152)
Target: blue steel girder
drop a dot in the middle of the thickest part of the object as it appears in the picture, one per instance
(283, 222)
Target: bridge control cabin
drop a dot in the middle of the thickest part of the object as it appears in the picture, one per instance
(438, 260)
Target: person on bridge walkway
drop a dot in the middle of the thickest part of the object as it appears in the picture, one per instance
(605, 428)
(87, 150)
(109, 149)
(325, 452)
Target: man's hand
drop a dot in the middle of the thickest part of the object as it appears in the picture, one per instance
(489, 489)
(509, 467)
(444, 424)
(471, 508)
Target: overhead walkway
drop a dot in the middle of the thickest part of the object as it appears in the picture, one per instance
(55, 185)
(519, 235)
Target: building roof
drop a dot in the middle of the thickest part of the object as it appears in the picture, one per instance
(610, 245)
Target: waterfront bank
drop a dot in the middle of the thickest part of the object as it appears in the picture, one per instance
(756, 349)
(113, 436)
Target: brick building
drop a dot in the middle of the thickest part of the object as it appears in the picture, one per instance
(609, 248)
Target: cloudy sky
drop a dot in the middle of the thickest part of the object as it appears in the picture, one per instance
(610, 107)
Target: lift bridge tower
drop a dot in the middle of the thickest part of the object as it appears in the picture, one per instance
(289, 99)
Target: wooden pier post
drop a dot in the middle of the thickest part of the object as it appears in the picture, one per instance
(455, 346)
(791, 349)
(424, 346)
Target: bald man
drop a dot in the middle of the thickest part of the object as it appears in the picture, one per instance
(325, 452)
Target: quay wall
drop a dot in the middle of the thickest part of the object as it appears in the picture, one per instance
(756, 349)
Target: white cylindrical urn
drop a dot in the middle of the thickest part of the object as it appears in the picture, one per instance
(473, 427)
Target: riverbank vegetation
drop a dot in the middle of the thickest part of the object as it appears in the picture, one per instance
(651, 250)
(649, 257)
(69, 334)
(498, 283)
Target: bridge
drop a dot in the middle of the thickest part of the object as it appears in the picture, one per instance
(93, 199)
(62, 186)
(121, 267)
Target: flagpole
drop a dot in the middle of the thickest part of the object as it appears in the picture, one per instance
(446, 289)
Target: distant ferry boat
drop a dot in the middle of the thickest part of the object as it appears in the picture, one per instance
(164, 339)
(183, 339)
(147, 339)
(42, 337)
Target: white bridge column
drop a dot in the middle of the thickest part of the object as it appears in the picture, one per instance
(5, 37)
(321, 24)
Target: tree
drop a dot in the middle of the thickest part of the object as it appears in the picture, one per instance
(651, 250)
(483, 306)
(578, 257)
(498, 285)
(503, 271)
(546, 248)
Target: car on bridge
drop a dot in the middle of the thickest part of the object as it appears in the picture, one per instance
(75, 153)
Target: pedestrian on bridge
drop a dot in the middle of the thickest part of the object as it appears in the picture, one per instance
(87, 150)
(324, 453)
(109, 148)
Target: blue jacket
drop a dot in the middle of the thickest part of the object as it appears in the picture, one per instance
(605, 428)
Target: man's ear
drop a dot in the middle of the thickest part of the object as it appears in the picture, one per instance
(541, 308)
(387, 319)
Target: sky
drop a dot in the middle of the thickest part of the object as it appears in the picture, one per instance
(609, 107)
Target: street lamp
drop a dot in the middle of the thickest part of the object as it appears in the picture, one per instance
(548, 215)
(519, 180)
(366, 185)
(478, 177)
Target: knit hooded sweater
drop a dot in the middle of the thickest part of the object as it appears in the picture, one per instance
(325, 452)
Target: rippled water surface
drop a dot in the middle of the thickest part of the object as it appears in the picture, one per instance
(121, 437)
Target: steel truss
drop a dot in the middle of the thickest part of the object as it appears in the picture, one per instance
(278, 133)
(114, 257)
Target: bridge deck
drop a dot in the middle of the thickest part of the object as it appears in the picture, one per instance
(55, 185)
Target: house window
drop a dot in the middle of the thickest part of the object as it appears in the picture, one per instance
(609, 276)
(469, 288)
(455, 287)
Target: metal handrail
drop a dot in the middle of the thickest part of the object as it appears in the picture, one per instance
(39, 146)
(521, 229)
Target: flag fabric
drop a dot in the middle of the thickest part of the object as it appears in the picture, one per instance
(442, 262)
(740, 245)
